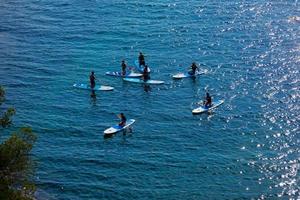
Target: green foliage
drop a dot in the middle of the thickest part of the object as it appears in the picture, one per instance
(15, 163)
(2, 94)
(5, 120)
(14, 151)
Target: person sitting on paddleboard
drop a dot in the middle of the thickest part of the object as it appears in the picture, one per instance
(146, 75)
(123, 65)
(193, 68)
(141, 59)
(208, 101)
(123, 119)
(92, 79)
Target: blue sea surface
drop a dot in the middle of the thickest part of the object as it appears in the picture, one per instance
(248, 148)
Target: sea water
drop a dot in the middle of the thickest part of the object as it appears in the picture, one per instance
(248, 148)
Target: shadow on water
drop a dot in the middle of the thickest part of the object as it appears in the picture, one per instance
(147, 88)
(208, 113)
(106, 136)
(125, 133)
(93, 98)
(193, 78)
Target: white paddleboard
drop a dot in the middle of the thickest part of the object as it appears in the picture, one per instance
(203, 108)
(140, 68)
(117, 128)
(128, 74)
(187, 75)
(134, 80)
(88, 87)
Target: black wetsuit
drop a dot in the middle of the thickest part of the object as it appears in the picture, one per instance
(123, 65)
(194, 68)
(92, 80)
(123, 121)
(146, 75)
(208, 101)
(141, 59)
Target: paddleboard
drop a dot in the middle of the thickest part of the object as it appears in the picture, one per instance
(203, 108)
(98, 88)
(128, 74)
(117, 128)
(140, 68)
(134, 80)
(187, 75)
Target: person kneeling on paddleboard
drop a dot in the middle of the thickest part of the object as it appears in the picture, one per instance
(193, 68)
(141, 59)
(123, 65)
(92, 79)
(123, 119)
(146, 75)
(208, 101)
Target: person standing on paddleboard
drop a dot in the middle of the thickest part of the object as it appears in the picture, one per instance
(123, 66)
(208, 100)
(123, 119)
(141, 59)
(193, 68)
(92, 80)
(146, 75)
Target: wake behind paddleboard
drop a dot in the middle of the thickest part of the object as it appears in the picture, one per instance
(187, 75)
(117, 128)
(98, 88)
(134, 80)
(203, 109)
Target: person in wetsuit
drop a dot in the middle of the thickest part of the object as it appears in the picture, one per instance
(123, 119)
(146, 75)
(123, 66)
(141, 59)
(193, 68)
(208, 101)
(92, 80)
